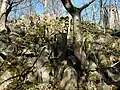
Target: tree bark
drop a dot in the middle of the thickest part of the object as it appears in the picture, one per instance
(30, 2)
(101, 12)
(45, 5)
(77, 36)
(0, 3)
(76, 15)
(74, 11)
(3, 10)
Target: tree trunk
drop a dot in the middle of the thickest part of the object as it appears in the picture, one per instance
(45, 5)
(101, 12)
(77, 36)
(76, 15)
(3, 10)
(30, 2)
(0, 3)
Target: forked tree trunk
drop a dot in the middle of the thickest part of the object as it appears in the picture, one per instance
(3, 11)
(77, 36)
(76, 15)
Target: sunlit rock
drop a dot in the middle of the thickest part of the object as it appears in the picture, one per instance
(4, 77)
(69, 81)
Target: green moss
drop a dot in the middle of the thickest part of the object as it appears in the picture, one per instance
(88, 41)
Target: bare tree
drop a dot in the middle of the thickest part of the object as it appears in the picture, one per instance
(74, 11)
(55, 6)
(101, 12)
(77, 36)
(0, 3)
(30, 2)
(76, 14)
(5, 9)
(93, 13)
(45, 4)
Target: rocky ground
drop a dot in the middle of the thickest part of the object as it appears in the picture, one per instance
(28, 61)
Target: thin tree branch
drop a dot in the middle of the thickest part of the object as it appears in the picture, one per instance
(72, 9)
(86, 5)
